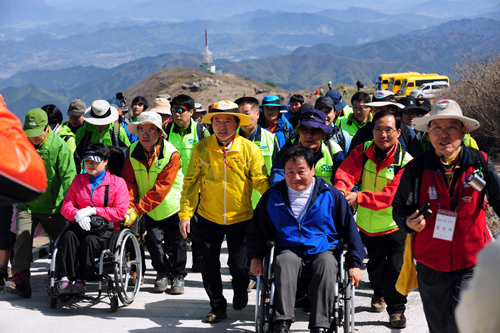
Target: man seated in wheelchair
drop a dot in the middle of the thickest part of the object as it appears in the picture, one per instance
(93, 199)
(306, 217)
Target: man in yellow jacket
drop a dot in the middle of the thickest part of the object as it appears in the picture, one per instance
(224, 168)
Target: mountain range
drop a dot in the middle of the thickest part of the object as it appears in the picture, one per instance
(266, 51)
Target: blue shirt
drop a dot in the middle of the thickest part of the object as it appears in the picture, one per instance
(94, 182)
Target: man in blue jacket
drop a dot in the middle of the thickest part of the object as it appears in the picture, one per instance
(306, 217)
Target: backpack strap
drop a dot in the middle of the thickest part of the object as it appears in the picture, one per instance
(199, 131)
(106, 194)
(168, 129)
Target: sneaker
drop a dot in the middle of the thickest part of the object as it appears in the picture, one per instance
(133, 279)
(4, 276)
(240, 302)
(251, 285)
(215, 316)
(161, 282)
(64, 287)
(197, 257)
(79, 288)
(19, 285)
(398, 320)
(378, 303)
(177, 286)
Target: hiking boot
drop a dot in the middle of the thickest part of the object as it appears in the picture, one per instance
(240, 301)
(133, 279)
(378, 303)
(251, 285)
(64, 287)
(177, 286)
(79, 288)
(161, 282)
(4, 276)
(19, 285)
(197, 257)
(398, 320)
(215, 316)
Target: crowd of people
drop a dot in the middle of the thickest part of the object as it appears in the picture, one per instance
(248, 171)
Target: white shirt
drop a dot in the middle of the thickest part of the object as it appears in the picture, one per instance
(299, 201)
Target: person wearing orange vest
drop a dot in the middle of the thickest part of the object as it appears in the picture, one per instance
(377, 166)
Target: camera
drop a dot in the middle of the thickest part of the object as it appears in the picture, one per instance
(123, 102)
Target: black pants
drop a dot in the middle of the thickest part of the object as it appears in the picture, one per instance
(211, 236)
(440, 293)
(386, 259)
(5, 222)
(156, 232)
(77, 254)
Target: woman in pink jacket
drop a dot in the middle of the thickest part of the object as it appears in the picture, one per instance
(87, 197)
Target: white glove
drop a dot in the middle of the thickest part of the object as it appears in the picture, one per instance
(85, 223)
(84, 212)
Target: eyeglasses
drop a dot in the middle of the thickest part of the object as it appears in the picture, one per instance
(379, 131)
(439, 129)
(149, 131)
(181, 109)
(313, 131)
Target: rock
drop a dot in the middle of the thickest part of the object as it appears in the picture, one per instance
(260, 91)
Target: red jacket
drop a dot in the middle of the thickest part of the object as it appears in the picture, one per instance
(424, 176)
(470, 235)
(79, 193)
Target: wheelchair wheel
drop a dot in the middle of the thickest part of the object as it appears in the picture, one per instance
(261, 322)
(348, 305)
(126, 248)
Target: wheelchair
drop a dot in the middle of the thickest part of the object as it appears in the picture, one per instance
(113, 266)
(344, 293)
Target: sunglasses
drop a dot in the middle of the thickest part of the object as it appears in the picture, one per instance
(181, 109)
(313, 131)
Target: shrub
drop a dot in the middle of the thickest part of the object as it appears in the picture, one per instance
(270, 84)
(477, 91)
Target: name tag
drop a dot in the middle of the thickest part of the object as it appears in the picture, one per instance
(445, 225)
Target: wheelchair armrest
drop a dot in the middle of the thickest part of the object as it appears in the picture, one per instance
(270, 243)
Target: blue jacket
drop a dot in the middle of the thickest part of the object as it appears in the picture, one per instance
(340, 134)
(283, 130)
(327, 220)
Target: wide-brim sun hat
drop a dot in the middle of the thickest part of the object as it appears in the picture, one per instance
(384, 98)
(273, 100)
(147, 117)
(161, 106)
(315, 119)
(226, 107)
(446, 109)
(100, 113)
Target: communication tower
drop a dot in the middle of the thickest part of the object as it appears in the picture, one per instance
(206, 56)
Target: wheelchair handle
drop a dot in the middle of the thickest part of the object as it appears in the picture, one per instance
(270, 243)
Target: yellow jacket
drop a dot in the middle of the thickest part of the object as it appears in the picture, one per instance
(225, 188)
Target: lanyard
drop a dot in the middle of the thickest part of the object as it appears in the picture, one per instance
(455, 204)
(224, 153)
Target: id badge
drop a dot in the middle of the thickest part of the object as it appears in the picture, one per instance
(445, 224)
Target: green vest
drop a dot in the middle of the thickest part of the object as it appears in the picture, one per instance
(266, 145)
(324, 166)
(146, 180)
(351, 124)
(381, 220)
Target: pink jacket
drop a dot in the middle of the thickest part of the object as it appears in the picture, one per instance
(79, 193)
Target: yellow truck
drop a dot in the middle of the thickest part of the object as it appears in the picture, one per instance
(382, 81)
(414, 82)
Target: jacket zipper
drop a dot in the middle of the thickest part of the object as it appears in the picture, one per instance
(225, 181)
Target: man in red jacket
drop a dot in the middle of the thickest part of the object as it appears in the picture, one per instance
(453, 180)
